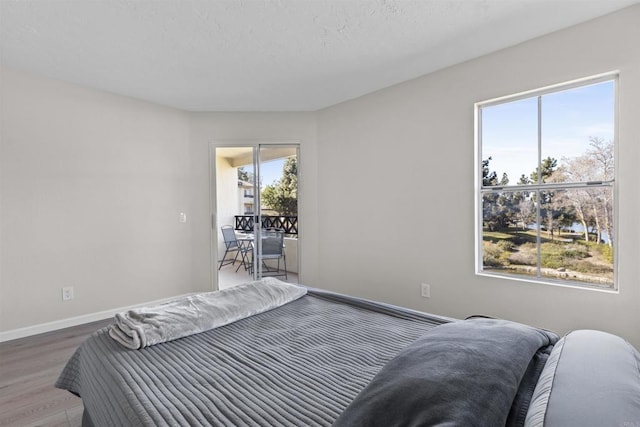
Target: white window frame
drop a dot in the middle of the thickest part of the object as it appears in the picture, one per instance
(480, 190)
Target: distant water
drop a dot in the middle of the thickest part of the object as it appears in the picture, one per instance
(578, 228)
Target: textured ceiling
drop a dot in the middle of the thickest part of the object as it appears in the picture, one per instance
(257, 55)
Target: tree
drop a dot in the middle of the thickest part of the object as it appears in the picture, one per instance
(524, 180)
(601, 153)
(554, 210)
(282, 195)
(491, 215)
(593, 206)
(579, 169)
(499, 210)
(488, 178)
(243, 175)
(548, 167)
(526, 212)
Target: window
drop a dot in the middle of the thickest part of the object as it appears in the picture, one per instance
(545, 180)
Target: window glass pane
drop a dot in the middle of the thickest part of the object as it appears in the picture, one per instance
(510, 142)
(577, 235)
(509, 233)
(562, 231)
(576, 231)
(578, 122)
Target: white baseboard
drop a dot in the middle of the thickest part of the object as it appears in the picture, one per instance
(73, 321)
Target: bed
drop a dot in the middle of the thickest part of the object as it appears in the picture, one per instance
(323, 359)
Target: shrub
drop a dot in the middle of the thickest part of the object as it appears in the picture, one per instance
(557, 255)
(575, 250)
(603, 249)
(492, 255)
(491, 261)
(550, 260)
(528, 247)
(523, 258)
(506, 245)
(607, 253)
(552, 255)
(585, 266)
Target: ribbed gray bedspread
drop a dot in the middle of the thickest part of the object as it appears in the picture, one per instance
(297, 365)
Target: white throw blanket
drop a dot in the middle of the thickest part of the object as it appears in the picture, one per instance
(142, 327)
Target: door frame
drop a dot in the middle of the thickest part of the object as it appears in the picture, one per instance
(256, 144)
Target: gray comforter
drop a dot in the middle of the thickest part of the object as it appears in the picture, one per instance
(296, 365)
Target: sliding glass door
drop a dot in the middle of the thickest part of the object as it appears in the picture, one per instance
(255, 212)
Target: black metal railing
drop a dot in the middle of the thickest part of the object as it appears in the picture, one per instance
(289, 224)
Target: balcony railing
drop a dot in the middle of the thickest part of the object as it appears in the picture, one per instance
(289, 224)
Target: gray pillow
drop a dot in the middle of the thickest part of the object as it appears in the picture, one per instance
(591, 378)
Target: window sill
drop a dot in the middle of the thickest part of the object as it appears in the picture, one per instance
(550, 282)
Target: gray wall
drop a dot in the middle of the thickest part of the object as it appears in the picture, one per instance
(92, 185)
(408, 153)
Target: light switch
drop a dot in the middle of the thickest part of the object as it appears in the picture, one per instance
(183, 217)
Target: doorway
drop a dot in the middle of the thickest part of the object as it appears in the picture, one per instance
(255, 196)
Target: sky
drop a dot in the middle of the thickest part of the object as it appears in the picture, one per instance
(569, 118)
(271, 171)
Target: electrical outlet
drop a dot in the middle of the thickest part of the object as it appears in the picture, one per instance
(67, 293)
(425, 290)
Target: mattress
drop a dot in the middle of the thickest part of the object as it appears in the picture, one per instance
(299, 364)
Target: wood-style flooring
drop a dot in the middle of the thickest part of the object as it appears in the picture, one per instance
(28, 369)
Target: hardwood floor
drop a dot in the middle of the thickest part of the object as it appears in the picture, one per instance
(28, 369)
